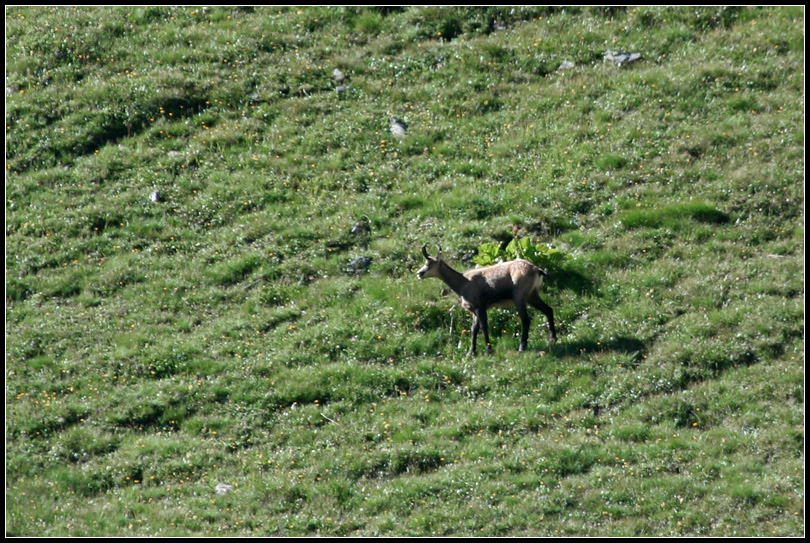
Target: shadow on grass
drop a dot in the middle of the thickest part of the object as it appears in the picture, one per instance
(566, 276)
(624, 344)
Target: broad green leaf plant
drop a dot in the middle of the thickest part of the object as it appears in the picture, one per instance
(539, 254)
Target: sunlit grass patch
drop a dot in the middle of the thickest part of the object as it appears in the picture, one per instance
(258, 328)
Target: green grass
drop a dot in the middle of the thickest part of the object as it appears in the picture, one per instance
(157, 349)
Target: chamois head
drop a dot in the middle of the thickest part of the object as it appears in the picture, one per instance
(431, 267)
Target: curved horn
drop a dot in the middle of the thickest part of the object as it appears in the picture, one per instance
(424, 250)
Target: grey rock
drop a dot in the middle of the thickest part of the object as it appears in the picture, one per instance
(398, 128)
(621, 57)
(359, 265)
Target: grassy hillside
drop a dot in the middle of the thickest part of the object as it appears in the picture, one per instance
(157, 351)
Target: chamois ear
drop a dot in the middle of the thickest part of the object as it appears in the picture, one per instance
(439, 254)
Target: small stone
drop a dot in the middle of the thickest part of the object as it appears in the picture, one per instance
(223, 488)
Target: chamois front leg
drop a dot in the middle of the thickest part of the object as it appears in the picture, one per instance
(474, 333)
(484, 325)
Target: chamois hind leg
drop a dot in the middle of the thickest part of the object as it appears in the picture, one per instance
(525, 322)
(536, 302)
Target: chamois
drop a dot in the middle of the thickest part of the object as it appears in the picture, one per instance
(508, 284)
